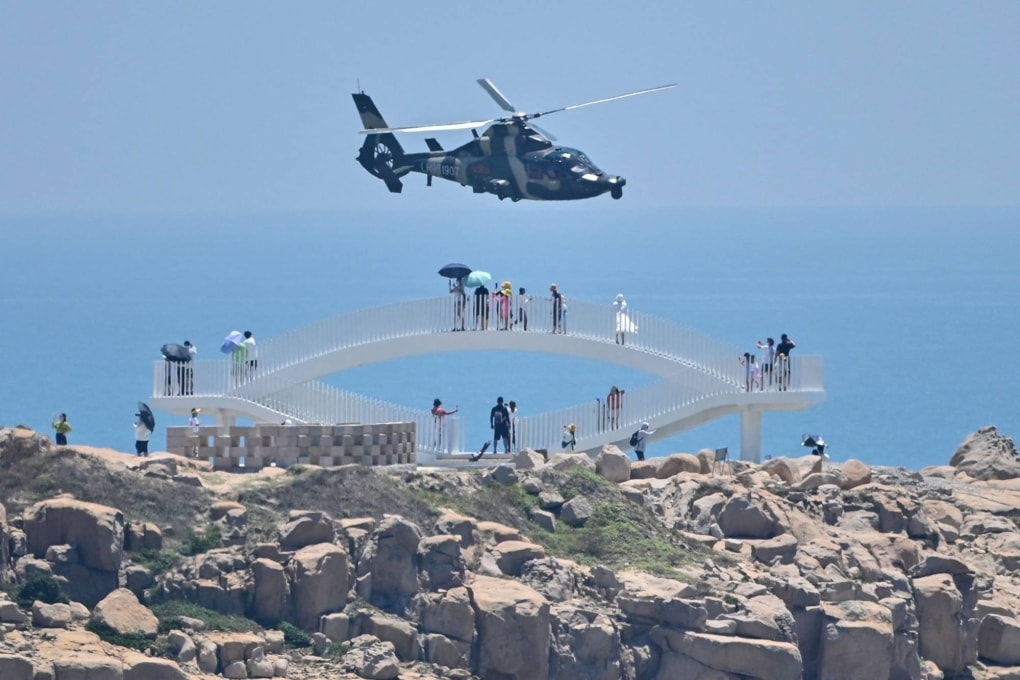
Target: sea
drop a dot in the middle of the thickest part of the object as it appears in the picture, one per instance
(915, 310)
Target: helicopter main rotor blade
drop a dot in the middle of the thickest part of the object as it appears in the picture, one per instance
(429, 128)
(503, 102)
(602, 101)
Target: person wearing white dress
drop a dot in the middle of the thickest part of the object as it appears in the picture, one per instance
(623, 323)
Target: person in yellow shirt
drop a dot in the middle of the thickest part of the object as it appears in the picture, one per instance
(62, 427)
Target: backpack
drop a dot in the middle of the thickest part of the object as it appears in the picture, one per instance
(634, 438)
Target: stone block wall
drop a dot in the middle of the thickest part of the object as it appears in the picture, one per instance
(252, 447)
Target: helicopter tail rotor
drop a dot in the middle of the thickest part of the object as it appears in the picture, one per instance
(381, 154)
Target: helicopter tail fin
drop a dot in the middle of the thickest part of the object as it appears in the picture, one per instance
(381, 154)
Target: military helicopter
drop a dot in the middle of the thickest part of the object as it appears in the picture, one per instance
(512, 158)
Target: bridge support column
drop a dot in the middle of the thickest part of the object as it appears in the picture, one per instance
(750, 435)
(225, 418)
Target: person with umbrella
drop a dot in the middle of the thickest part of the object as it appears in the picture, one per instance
(189, 370)
(455, 271)
(145, 423)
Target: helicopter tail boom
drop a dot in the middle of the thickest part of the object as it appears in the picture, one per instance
(381, 154)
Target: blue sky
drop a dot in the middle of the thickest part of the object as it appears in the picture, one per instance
(245, 106)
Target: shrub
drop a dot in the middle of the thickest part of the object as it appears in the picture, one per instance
(159, 561)
(336, 650)
(170, 612)
(205, 541)
(107, 634)
(40, 587)
(294, 636)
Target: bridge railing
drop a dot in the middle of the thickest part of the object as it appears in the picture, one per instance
(438, 315)
(545, 431)
(320, 403)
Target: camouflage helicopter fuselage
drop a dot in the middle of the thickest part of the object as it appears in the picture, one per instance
(509, 159)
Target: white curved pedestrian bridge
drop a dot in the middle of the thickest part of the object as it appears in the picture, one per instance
(701, 378)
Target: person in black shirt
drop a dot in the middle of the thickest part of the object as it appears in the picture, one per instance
(499, 421)
(783, 350)
(481, 308)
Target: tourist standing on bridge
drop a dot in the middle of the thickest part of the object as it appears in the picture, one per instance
(481, 308)
(614, 403)
(499, 421)
(557, 309)
(251, 354)
(459, 302)
(514, 420)
(623, 323)
(768, 359)
(783, 350)
(439, 414)
(522, 307)
(504, 301)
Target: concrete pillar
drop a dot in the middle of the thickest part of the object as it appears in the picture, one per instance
(750, 435)
(224, 418)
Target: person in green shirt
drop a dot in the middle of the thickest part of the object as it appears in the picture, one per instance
(62, 427)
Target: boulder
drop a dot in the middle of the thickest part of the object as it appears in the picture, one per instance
(141, 667)
(86, 666)
(528, 460)
(999, 640)
(947, 636)
(450, 614)
(855, 473)
(16, 667)
(986, 454)
(318, 577)
(513, 627)
(676, 463)
(544, 520)
(372, 658)
(50, 615)
(270, 590)
(97, 531)
(550, 500)
(613, 464)
(645, 469)
(503, 474)
(512, 555)
(306, 528)
(391, 559)
(742, 518)
(577, 511)
(782, 547)
(464, 528)
(857, 635)
(587, 645)
(783, 469)
(122, 612)
(567, 461)
(761, 659)
(442, 564)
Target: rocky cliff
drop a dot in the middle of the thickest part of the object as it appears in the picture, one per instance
(567, 568)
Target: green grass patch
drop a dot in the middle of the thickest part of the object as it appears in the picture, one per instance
(337, 650)
(170, 612)
(616, 537)
(107, 634)
(205, 541)
(159, 561)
